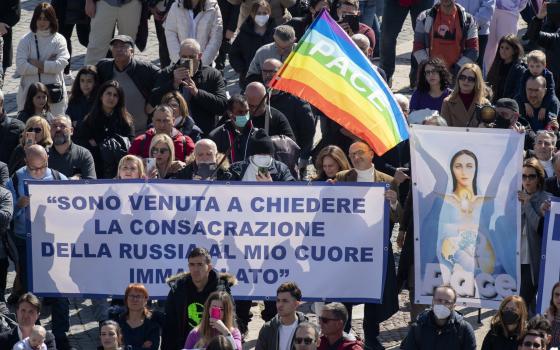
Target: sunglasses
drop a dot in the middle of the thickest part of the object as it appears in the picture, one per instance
(530, 344)
(326, 319)
(35, 130)
(160, 150)
(306, 341)
(530, 176)
(469, 79)
(430, 72)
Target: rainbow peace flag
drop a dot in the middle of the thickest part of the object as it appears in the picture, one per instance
(329, 71)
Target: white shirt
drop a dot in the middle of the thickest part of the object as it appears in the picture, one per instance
(366, 175)
(548, 169)
(285, 335)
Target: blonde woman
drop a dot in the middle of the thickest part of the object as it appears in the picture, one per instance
(459, 108)
(217, 319)
(37, 132)
(131, 167)
(163, 151)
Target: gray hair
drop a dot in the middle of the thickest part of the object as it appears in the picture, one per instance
(403, 102)
(66, 119)
(309, 325)
(548, 134)
(36, 151)
(192, 43)
(206, 142)
(339, 311)
(435, 119)
(285, 33)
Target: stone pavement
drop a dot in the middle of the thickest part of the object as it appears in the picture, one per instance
(83, 330)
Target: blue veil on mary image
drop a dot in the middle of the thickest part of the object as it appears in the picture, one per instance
(465, 225)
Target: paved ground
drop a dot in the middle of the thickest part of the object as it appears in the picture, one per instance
(83, 331)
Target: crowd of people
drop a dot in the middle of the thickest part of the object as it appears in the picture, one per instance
(126, 118)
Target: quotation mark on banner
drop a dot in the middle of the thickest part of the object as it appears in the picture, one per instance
(51, 199)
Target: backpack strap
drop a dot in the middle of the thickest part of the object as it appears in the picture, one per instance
(15, 183)
(56, 174)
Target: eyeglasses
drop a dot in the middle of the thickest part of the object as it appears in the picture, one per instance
(430, 72)
(136, 296)
(463, 77)
(59, 126)
(36, 169)
(35, 130)
(530, 344)
(530, 176)
(160, 150)
(326, 319)
(306, 341)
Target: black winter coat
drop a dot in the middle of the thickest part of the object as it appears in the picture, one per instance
(10, 133)
(247, 43)
(456, 334)
(206, 107)
(278, 171)
(241, 139)
(189, 171)
(10, 13)
(184, 300)
(300, 116)
(496, 340)
(279, 124)
(143, 74)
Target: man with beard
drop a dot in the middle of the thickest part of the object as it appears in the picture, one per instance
(72, 160)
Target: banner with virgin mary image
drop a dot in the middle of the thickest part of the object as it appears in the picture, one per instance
(467, 219)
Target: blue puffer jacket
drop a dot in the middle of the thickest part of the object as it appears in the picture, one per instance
(424, 334)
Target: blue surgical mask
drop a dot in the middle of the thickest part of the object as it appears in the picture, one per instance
(241, 120)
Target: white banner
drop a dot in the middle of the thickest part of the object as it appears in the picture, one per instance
(466, 213)
(550, 263)
(94, 238)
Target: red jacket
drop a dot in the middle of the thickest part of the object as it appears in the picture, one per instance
(184, 145)
(345, 343)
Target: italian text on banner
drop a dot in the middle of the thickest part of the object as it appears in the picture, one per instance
(94, 238)
(466, 213)
(550, 263)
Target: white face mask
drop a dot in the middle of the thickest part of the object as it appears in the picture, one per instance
(261, 20)
(441, 311)
(262, 160)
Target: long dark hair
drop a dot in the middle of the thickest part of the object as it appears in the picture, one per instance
(76, 91)
(553, 307)
(440, 67)
(33, 89)
(119, 111)
(493, 75)
(455, 156)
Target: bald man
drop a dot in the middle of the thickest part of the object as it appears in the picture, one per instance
(255, 93)
(362, 42)
(204, 89)
(535, 89)
(297, 111)
(36, 168)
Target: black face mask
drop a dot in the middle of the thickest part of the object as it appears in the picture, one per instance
(510, 317)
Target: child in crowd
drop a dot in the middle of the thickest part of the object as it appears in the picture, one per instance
(84, 91)
(35, 341)
(536, 61)
(36, 103)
